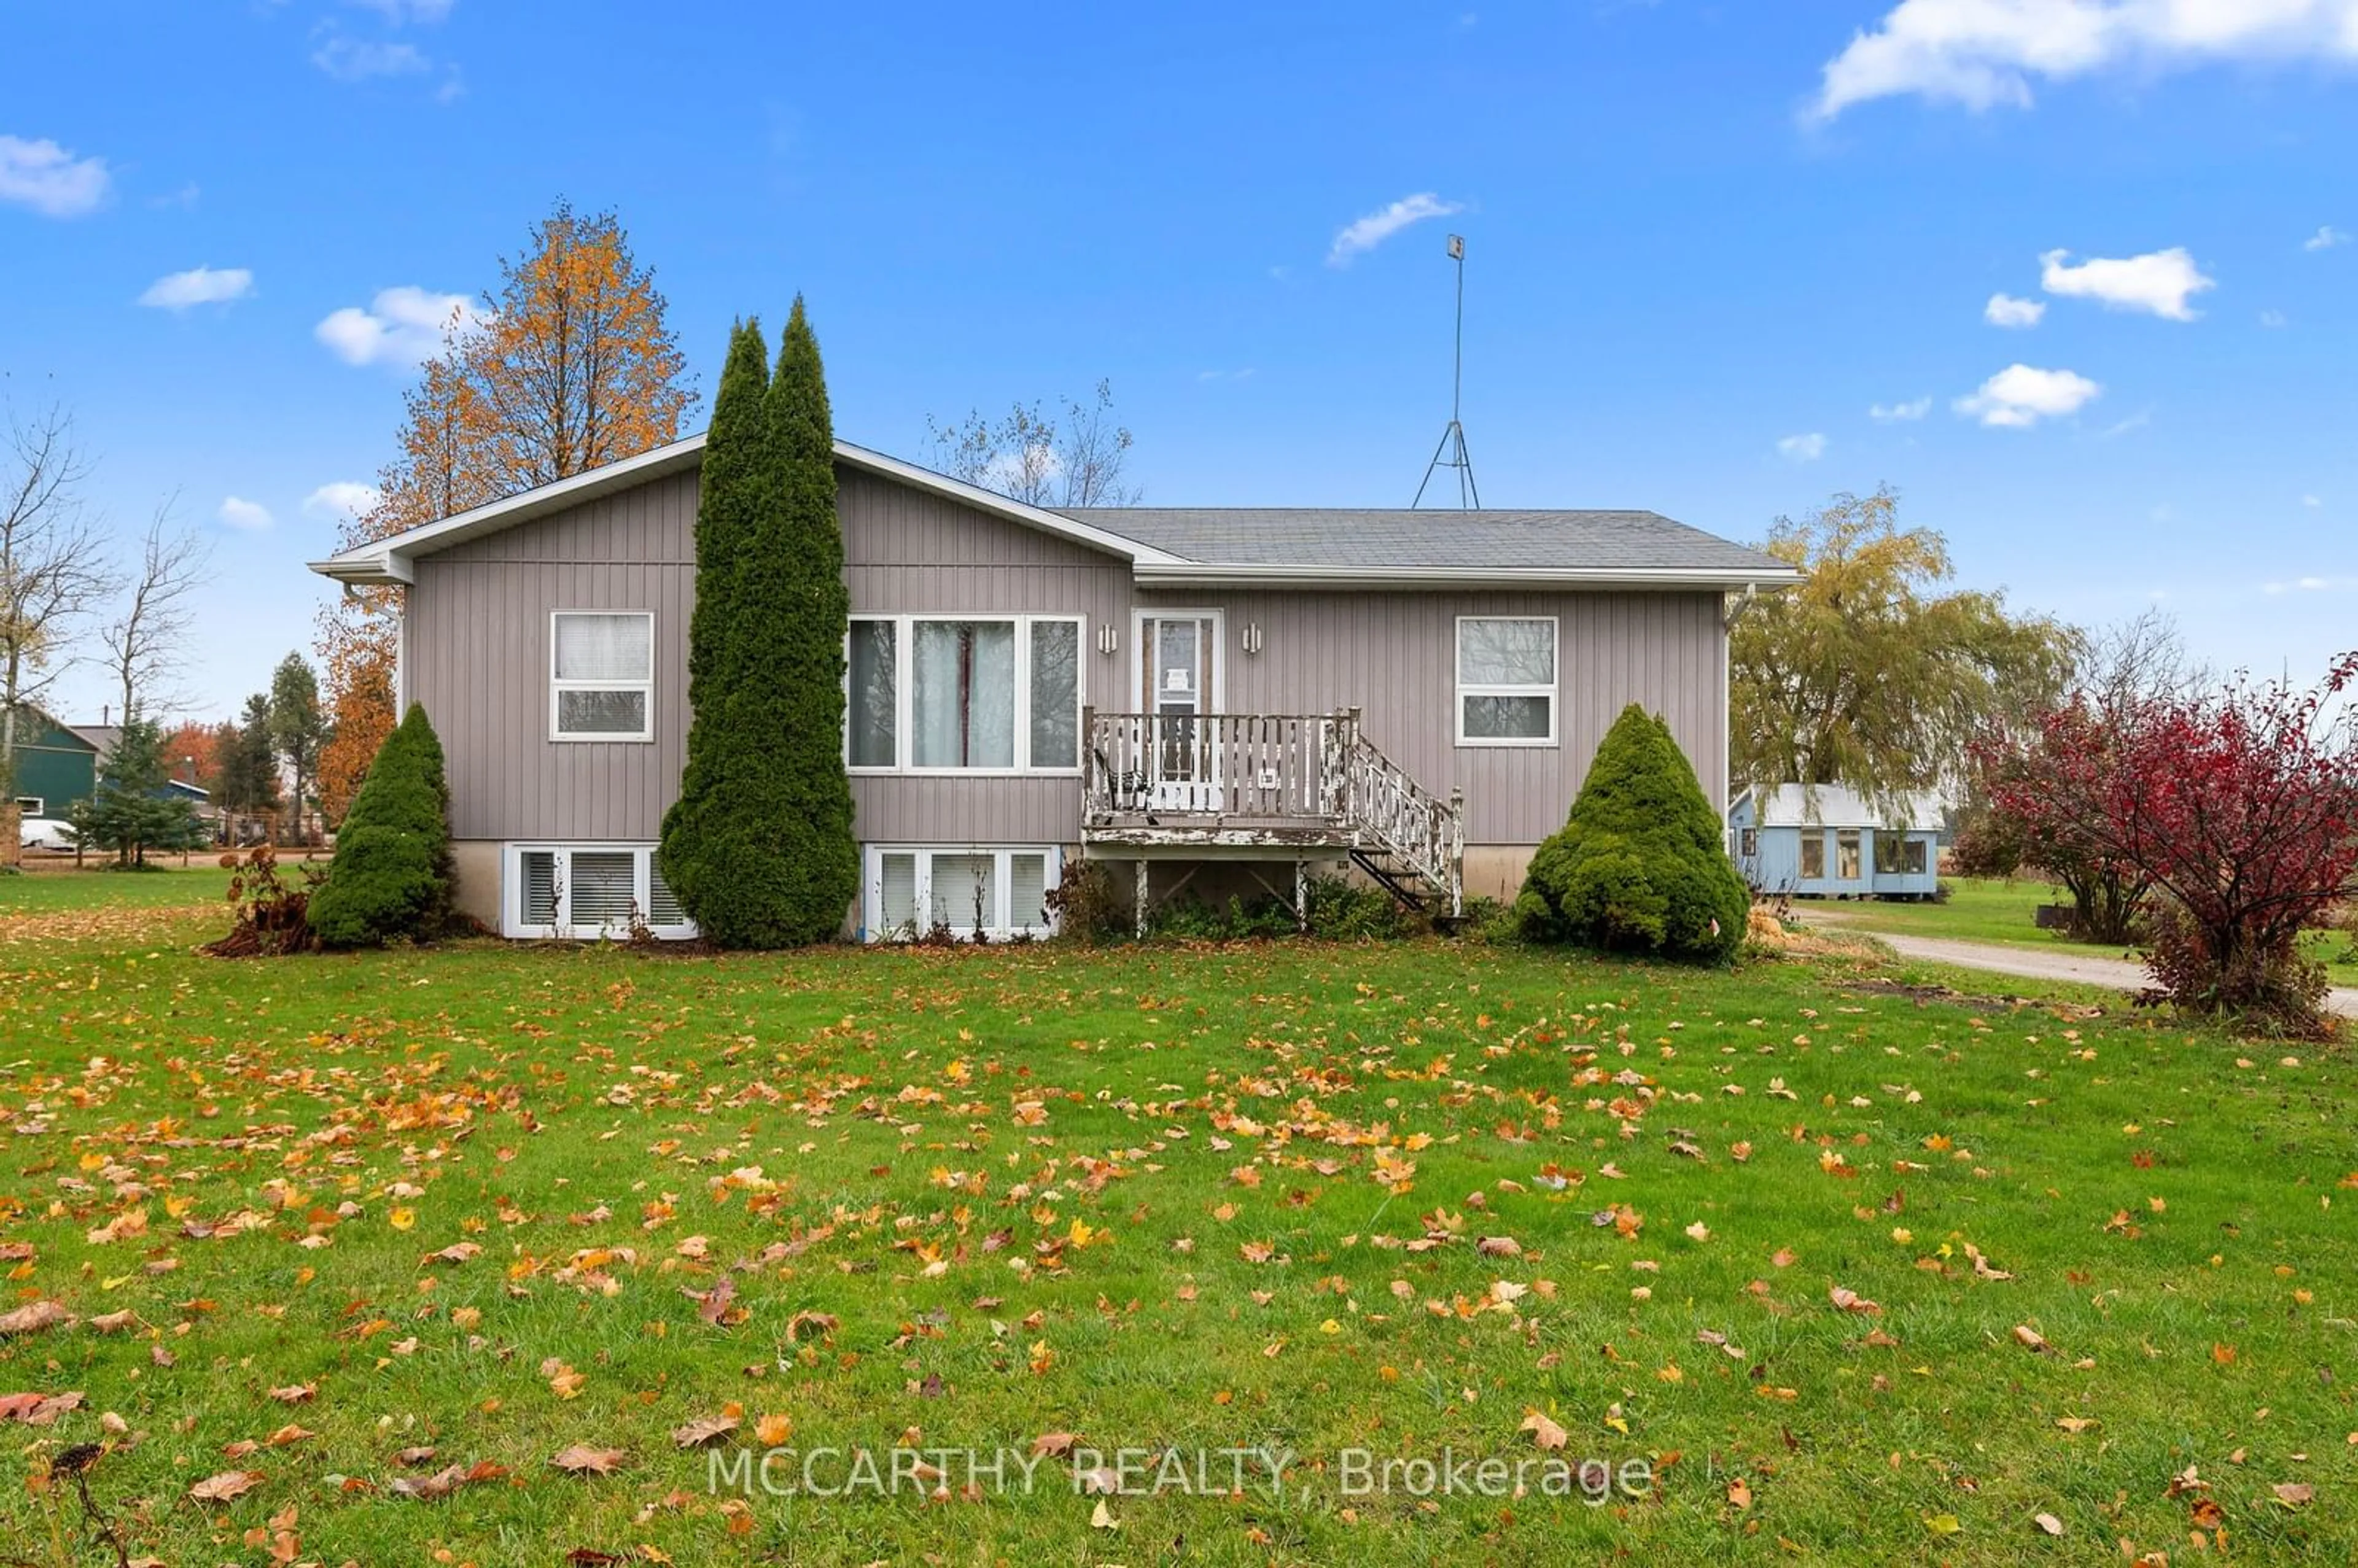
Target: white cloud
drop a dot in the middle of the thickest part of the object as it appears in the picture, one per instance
(400, 11)
(2312, 501)
(2325, 238)
(2159, 282)
(2005, 310)
(49, 179)
(2314, 585)
(2020, 397)
(358, 59)
(1806, 448)
(2272, 319)
(1367, 232)
(401, 326)
(1900, 413)
(247, 516)
(1984, 53)
(340, 499)
(199, 286)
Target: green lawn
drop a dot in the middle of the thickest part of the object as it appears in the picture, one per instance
(1986, 910)
(1316, 1198)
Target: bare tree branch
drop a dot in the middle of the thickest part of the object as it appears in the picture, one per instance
(142, 641)
(53, 567)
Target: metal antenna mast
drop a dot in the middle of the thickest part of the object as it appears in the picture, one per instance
(1452, 452)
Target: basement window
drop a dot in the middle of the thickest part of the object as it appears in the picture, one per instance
(912, 892)
(585, 892)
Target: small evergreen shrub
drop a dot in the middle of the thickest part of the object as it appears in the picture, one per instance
(391, 875)
(1641, 865)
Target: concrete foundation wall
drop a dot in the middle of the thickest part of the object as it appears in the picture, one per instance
(475, 866)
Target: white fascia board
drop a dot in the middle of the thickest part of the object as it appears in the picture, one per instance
(1192, 574)
(389, 560)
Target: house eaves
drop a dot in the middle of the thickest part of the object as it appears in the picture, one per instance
(392, 559)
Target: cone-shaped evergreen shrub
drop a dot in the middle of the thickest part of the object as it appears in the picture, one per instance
(391, 875)
(759, 847)
(1640, 866)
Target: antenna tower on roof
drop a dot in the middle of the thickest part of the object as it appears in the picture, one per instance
(1452, 452)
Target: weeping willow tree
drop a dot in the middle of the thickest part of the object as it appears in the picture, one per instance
(1872, 672)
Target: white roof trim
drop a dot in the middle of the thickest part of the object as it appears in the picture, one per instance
(390, 560)
(1189, 574)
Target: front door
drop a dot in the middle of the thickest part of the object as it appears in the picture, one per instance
(1178, 676)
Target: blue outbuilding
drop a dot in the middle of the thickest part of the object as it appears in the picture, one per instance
(1828, 841)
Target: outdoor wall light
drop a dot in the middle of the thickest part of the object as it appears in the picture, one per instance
(1252, 637)
(1107, 640)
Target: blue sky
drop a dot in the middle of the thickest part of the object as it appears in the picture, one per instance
(1707, 242)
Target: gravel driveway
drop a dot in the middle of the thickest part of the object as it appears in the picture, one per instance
(2118, 974)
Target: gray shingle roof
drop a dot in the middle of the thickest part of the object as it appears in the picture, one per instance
(1495, 540)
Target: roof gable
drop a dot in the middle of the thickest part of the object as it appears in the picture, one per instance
(390, 560)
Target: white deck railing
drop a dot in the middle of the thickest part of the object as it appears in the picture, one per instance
(1285, 771)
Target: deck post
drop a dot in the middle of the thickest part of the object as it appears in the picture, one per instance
(1142, 897)
(1456, 851)
(1301, 894)
(1090, 745)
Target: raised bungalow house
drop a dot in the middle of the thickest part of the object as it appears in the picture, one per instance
(1217, 700)
(1830, 841)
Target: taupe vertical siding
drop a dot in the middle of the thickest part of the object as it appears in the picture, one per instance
(910, 553)
(1394, 656)
(478, 659)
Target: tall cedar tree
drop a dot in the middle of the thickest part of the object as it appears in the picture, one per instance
(759, 848)
(1641, 865)
(391, 876)
(568, 367)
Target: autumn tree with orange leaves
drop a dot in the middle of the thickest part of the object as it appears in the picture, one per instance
(568, 367)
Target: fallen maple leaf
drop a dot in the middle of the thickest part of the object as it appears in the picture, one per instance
(1849, 1300)
(443, 1482)
(296, 1393)
(34, 1317)
(1055, 1443)
(226, 1485)
(582, 1459)
(707, 1429)
(2030, 1339)
(2048, 1524)
(1499, 1247)
(2292, 1493)
(774, 1430)
(1544, 1432)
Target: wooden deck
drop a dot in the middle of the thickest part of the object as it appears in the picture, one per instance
(1264, 787)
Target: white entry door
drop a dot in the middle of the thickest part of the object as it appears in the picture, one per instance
(1179, 679)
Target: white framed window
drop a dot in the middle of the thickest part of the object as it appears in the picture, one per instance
(1506, 680)
(586, 890)
(30, 804)
(912, 891)
(601, 675)
(963, 694)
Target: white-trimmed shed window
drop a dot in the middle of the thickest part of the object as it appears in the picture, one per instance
(588, 891)
(912, 892)
(1506, 680)
(938, 693)
(30, 804)
(601, 675)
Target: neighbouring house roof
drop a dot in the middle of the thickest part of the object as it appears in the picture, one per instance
(101, 738)
(1182, 547)
(1839, 805)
